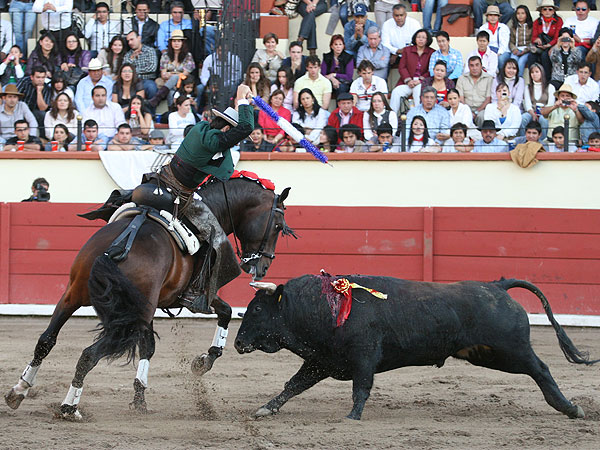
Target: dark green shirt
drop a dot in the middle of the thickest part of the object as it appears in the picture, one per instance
(202, 144)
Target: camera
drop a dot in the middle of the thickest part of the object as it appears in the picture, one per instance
(565, 39)
(42, 193)
(566, 103)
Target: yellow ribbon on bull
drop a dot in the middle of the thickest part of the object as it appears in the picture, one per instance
(343, 285)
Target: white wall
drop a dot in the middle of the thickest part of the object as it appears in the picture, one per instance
(498, 183)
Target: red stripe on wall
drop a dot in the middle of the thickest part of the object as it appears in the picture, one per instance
(559, 250)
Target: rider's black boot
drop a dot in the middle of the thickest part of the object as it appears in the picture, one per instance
(194, 297)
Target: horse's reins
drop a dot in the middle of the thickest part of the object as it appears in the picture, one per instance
(261, 249)
(237, 248)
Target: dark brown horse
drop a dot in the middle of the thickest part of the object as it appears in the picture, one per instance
(126, 295)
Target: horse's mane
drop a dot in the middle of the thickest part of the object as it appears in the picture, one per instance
(240, 191)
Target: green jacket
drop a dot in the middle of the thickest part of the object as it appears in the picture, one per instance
(202, 143)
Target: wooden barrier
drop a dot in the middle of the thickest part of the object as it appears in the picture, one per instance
(557, 249)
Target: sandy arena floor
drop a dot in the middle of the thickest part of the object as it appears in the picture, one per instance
(457, 406)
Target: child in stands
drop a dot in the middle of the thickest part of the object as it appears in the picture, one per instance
(558, 140)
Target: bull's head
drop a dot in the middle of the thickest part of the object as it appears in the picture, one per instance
(261, 326)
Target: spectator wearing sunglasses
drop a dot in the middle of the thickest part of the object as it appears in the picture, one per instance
(583, 27)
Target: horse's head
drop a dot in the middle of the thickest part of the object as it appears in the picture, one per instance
(259, 231)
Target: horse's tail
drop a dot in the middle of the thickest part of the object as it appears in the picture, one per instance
(571, 352)
(120, 307)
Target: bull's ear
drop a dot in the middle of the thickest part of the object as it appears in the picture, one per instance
(284, 194)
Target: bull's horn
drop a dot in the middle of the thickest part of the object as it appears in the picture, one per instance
(264, 286)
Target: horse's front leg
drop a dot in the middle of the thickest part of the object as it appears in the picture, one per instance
(146, 351)
(203, 363)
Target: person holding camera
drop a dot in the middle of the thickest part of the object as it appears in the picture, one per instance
(39, 191)
(504, 113)
(565, 104)
(564, 58)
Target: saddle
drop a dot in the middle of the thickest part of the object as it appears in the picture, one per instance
(181, 234)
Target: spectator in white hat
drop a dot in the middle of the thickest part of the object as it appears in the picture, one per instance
(95, 77)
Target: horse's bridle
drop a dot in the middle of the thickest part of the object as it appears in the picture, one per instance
(252, 258)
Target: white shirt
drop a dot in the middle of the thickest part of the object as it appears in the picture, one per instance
(529, 103)
(450, 146)
(364, 94)
(489, 60)
(7, 37)
(50, 122)
(394, 37)
(500, 38)
(464, 115)
(588, 92)
(100, 35)
(177, 126)
(585, 29)
(54, 20)
(369, 132)
(511, 124)
(108, 118)
(316, 123)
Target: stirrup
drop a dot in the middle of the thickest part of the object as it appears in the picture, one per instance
(199, 304)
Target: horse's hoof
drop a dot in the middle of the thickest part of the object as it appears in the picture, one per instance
(264, 411)
(140, 407)
(201, 364)
(579, 414)
(13, 400)
(71, 413)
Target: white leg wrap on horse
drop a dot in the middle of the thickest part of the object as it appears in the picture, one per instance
(220, 337)
(29, 374)
(142, 372)
(73, 396)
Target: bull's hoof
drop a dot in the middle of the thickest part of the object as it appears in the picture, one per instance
(579, 414)
(263, 411)
(70, 412)
(202, 364)
(13, 400)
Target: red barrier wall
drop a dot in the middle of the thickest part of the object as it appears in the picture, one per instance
(559, 250)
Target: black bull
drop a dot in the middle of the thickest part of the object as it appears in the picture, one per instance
(420, 324)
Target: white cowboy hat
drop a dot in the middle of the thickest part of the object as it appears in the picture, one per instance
(230, 115)
(95, 64)
(546, 4)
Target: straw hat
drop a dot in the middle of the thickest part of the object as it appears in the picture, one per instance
(177, 35)
(11, 89)
(546, 4)
(566, 88)
(230, 115)
(492, 9)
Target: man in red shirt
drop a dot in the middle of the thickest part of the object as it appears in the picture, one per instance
(345, 113)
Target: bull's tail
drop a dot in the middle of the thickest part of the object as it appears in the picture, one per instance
(120, 307)
(566, 345)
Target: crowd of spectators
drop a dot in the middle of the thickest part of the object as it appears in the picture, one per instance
(342, 101)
